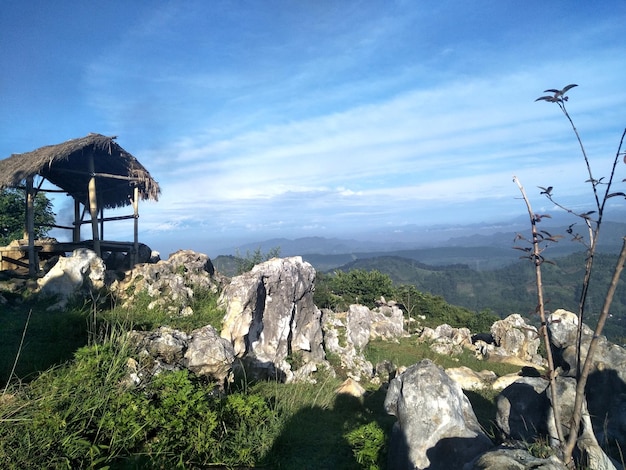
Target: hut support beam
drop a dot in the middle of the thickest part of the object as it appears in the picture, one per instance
(135, 256)
(93, 206)
(33, 262)
(77, 222)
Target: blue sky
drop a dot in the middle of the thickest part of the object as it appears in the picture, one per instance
(320, 118)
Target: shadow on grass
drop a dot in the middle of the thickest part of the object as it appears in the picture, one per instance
(50, 339)
(314, 438)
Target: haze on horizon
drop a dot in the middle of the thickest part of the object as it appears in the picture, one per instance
(291, 119)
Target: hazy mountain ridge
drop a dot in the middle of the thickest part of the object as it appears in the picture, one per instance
(481, 247)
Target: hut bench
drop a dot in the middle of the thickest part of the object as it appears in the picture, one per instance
(13, 255)
(17, 255)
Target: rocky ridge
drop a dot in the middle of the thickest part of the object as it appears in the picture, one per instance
(272, 326)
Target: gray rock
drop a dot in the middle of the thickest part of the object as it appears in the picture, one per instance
(606, 386)
(523, 409)
(447, 340)
(270, 317)
(436, 427)
(82, 273)
(170, 283)
(387, 321)
(525, 414)
(203, 352)
(358, 326)
(514, 337)
(165, 344)
(514, 459)
(210, 355)
(339, 344)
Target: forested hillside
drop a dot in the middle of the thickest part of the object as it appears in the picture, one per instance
(510, 289)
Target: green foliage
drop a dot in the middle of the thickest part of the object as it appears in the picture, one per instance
(353, 287)
(368, 444)
(503, 291)
(86, 415)
(13, 215)
(250, 260)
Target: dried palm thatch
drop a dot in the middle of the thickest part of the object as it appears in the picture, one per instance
(67, 166)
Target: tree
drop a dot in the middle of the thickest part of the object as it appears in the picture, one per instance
(13, 215)
(591, 220)
(360, 287)
(250, 260)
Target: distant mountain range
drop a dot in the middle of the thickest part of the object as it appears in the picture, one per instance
(479, 246)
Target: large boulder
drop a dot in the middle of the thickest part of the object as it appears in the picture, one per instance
(387, 320)
(525, 413)
(82, 273)
(271, 319)
(606, 386)
(340, 345)
(436, 427)
(523, 409)
(346, 334)
(563, 327)
(209, 355)
(358, 326)
(513, 337)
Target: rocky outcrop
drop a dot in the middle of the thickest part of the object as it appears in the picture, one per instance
(271, 319)
(82, 273)
(387, 320)
(523, 409)
(525, 414)
(436, 427)
(346, 335)
(170, 283)
(606, 386)
(447, 340)
(202, 351)
(514, 338)
(340, 345)
(209, 355)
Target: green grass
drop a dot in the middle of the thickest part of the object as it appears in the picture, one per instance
(50, 339)
(408, 351)
(321, 429)
(76, 412)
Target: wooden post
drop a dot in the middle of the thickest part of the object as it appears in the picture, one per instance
(93, 206)
(102, 223)
(135, 256)
(33, 264)
(77, 220)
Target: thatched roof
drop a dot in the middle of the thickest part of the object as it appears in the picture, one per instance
(66, 165)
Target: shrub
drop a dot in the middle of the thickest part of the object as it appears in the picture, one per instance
(368, 444)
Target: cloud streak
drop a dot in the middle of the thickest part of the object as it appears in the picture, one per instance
(291, 118)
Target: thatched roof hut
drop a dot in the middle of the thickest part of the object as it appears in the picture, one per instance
(67, 166)
(95, 171)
